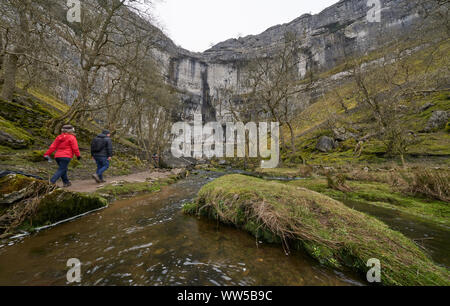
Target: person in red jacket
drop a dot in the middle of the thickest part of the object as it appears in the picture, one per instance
(66, 146)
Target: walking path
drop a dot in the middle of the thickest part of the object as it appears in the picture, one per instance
(91, 186)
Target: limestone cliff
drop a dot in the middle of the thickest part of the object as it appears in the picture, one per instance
(341, 29)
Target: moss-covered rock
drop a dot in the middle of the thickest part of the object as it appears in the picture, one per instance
(326, 229)
(25, 200)
(24, 116)
(13, 136)
(59, 205)
(14, 188)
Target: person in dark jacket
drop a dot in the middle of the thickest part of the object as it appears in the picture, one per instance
(102, 152)
(66, 146)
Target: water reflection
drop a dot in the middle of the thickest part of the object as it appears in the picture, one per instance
(433, 238)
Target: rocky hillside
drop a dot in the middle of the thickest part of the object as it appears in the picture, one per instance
(342, 29)
(339, 32)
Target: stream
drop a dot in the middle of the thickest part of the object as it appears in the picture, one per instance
(147, 240)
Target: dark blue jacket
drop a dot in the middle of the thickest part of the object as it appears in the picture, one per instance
(105, 143)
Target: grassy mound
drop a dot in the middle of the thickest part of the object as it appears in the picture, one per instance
(326, 229)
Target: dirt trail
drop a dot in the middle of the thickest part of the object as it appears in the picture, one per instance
(89, 185)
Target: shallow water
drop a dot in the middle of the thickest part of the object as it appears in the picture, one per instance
(148, 241)
(434, 239)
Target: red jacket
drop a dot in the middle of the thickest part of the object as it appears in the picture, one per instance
(65, 145)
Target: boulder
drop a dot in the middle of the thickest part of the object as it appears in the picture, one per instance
(342, 134)
(326, 144)
(437, 121)
(11, 141)
(171, 162)
(333, 234)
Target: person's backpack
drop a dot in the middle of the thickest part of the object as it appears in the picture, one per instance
(97, 145)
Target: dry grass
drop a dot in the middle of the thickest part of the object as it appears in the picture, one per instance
(429, 183)
(338, 182)
(21, 211)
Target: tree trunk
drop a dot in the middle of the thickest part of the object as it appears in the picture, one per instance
(291, 130)
(2, 59)
(9, 75)
(402, 157)
(56, 124)
(283, 142)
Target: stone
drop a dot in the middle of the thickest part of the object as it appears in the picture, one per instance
(171, 162)
(9, 140)
(437, 121)
(426, 106)
(341, 134)
(326, 144)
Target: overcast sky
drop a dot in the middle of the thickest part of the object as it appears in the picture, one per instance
(197, 24)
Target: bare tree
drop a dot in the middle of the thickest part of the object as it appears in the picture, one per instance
(275, 86)
(21, 34)
(388, 89)
(102, 32)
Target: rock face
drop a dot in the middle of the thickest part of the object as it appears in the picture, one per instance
(341, 29)
(326, 144)
(437, 121)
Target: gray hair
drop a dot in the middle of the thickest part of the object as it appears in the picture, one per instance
(68, 129)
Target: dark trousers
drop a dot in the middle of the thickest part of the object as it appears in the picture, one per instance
(63, 164)
(102, 165)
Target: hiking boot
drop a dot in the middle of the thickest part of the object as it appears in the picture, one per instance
(96, 178)
(102, 181)
(67, 185)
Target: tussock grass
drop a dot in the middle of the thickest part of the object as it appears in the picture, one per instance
(298, 171)
(383, 195)
(338, 182)
(428, 183)
(326, 229)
